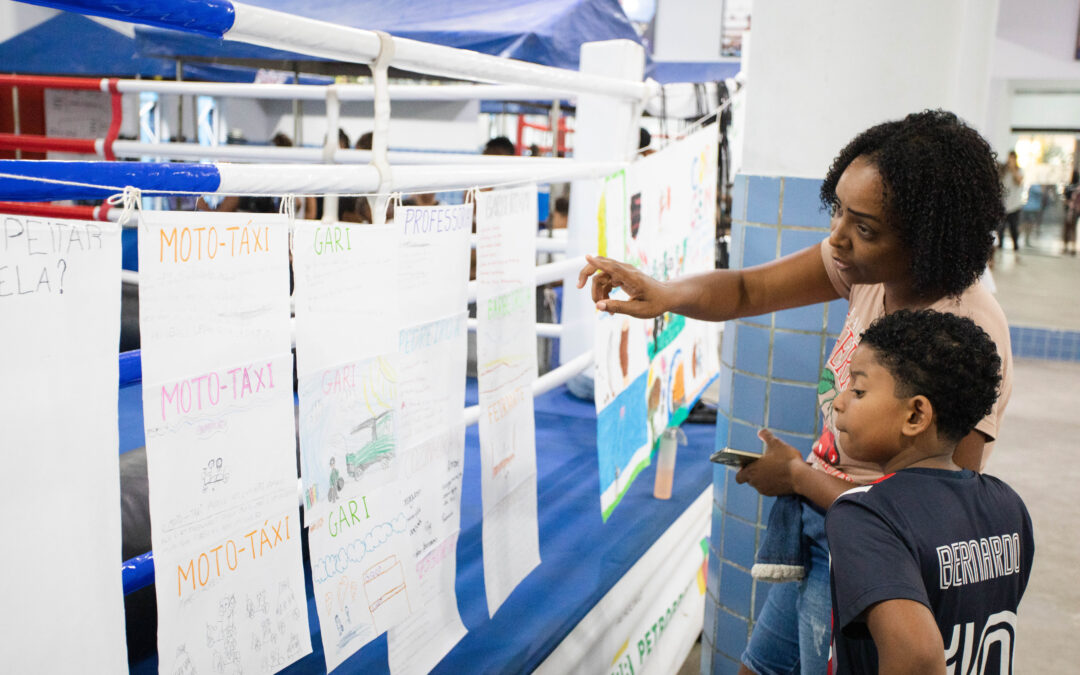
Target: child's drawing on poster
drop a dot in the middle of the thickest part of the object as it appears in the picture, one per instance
(362, 571)
(217, 410)
(668, 231)
(347, 431)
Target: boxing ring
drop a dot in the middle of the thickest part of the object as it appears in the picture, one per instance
(583, 558)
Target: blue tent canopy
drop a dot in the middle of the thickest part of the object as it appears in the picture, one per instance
(548, 32)
(72, 44)
(669, 72)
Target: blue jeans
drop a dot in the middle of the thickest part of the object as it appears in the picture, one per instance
(793, 632)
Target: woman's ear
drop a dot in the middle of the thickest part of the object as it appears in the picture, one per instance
(920, 416)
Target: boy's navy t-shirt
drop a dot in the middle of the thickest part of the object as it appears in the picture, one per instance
(958, 542)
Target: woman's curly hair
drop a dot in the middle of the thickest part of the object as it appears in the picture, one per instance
(944, 357)
(941, 191)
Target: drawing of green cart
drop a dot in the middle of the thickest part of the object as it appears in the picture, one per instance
(374, 442)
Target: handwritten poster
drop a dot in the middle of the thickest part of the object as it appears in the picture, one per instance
(506, 222)
(218, 411)
(434, 260)
(347, 319)
(361, 568)
(660, 216)
(60, 583)
(433, 281)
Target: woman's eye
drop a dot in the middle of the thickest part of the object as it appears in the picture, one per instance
(864, 230)
(858, 392)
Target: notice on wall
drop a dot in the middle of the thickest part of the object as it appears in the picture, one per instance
(659, 216)
(347, 319)
(218, 411)
(76, 113)
(60, 316)
(506, 224)
(432, 347)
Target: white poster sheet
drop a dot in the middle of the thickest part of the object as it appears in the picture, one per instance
(621, 364)
(60, 313)
(347, 319)
(506, 224)
(362, 571)
(218, 412)
(432, 347)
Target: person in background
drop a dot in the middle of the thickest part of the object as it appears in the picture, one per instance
(901, 237)
(645, 142)
(500, 145)
(1012, 181)
(1072, 212)
(928, 564)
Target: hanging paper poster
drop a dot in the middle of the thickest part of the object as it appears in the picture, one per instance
(434, 260)
(649, 373)
(506, 223)
(432, 348)
(346, 339)
(362, 572)
(347, 310)
(60, 312)
(433, 517)
(220, 441)
(621, 364)
(676, 237)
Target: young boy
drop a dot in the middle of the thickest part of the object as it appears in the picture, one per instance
(929, 563)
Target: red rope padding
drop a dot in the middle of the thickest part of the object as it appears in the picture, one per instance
(53, 211)
(117, 119)
(35, 143)
(50, 82)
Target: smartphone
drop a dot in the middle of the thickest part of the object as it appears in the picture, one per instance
(735, 458)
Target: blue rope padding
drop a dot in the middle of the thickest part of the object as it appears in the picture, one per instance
(138, 572)
(212, 18)
(147, 176)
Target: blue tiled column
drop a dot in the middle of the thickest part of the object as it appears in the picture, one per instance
(769, 367)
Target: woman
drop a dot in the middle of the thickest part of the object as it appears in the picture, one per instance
(914, 206)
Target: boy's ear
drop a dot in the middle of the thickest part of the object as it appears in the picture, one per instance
(920, 416)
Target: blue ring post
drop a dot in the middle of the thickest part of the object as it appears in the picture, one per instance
(212, 18)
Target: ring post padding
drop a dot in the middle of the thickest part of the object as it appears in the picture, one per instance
(44, 180)
(117, 102)
(212, 18)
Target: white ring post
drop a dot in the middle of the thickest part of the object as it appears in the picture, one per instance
(605, 129)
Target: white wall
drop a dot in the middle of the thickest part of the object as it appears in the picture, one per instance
(821, 72)
(1035, 75)
(687, 30)
(16, 17)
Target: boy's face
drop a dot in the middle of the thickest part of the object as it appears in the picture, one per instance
(869, 415)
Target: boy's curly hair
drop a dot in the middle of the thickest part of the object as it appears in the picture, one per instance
(944, 357)
(941, 191)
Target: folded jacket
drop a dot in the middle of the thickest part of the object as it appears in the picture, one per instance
(784, 553)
